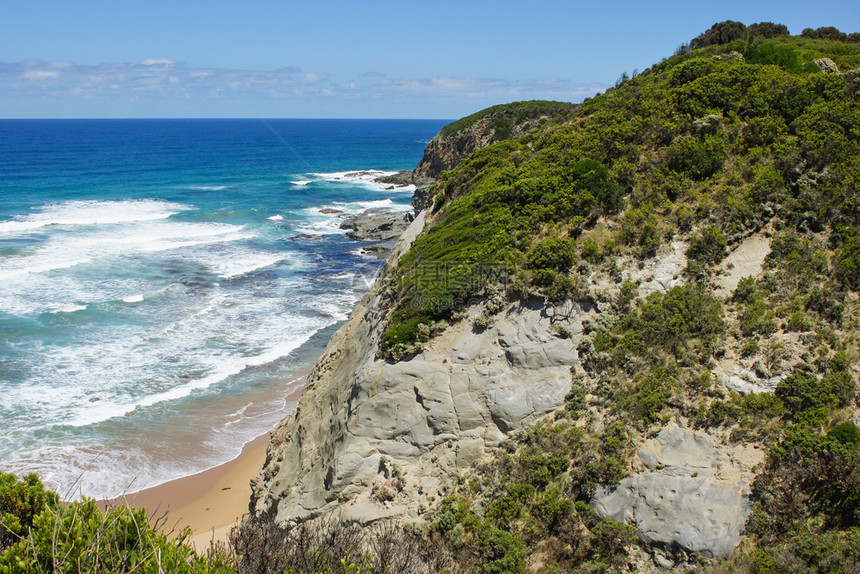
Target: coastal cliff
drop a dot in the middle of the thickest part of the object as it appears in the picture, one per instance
(373, 439)
(621, 333)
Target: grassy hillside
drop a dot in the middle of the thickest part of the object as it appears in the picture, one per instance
(696, 145)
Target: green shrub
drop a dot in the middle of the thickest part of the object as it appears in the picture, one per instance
(698, 158)
(798, 321)
(640, 227)
(708, 246)
(79, 537)
(846, 434)
(552, 508)
(810, 399)
(674, 322)
(556, 254)
(763, 131)
(745, 290)
(501, 552)
(848, 263)
(20, 502)
(505, 509)
(591, 251)
(647, 397)
(757, 318)
(609, 542)
(780, 55)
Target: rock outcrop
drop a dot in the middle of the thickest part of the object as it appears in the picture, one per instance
(377, 225)
(733, 56)
(454, 143)
(694, 494)
(420, 181)
(372, 439)
(826, 65)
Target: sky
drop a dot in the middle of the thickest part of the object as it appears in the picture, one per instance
(345, 59)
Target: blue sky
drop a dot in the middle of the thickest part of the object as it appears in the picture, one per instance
(339, 59)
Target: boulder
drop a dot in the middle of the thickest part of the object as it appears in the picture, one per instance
(826, 65)
(691, 495)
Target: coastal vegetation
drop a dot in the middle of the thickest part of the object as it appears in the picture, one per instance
(40, 534)
(716, 141)
(745, 131)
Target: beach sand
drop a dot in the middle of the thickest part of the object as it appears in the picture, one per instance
(210, 503)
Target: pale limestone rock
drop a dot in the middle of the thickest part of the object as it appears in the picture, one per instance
(746, 260)
(695, 494)
(658, 274)
(733, 56)
(442, 410)
(697, 514)
(826, 65)
(745, 382)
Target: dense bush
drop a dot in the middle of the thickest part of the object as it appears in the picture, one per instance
(684, 320)
(707, 246)
(333, 547)
(81, 537)
(21, 501)
(725, 146)
(557, 254)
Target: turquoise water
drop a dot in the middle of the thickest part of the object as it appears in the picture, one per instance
(163, 283)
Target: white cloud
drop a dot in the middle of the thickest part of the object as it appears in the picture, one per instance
(160, 62)
(37, 75)
(164, 80)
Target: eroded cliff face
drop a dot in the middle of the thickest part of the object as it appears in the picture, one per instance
(372, 439)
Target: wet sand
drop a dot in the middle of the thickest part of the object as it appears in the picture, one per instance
(211, 502)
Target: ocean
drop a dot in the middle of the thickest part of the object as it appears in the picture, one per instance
(165, 283)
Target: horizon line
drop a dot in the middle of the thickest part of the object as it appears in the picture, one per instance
(225, 118)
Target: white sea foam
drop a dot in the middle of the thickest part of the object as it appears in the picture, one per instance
(89, 414)
(243, 264)
(209, 187)
(276, 217)
(362, 175)
(92, 213)
(64, 251)
(366, 178)
(382, 204)
(302, 182)
(133, 298)
(326, 219)
(69, 308)
(323, 225)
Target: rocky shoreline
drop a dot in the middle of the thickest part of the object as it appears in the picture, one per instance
(382, 227)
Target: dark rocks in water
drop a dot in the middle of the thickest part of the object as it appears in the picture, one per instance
(403, 178)
(330, 211)
(378, 250)
(373, 225)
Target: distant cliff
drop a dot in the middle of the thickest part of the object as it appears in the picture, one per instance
(459, 139)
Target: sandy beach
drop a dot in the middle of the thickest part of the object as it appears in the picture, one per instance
(209, 502)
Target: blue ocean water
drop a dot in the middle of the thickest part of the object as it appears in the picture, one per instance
(163, 283)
